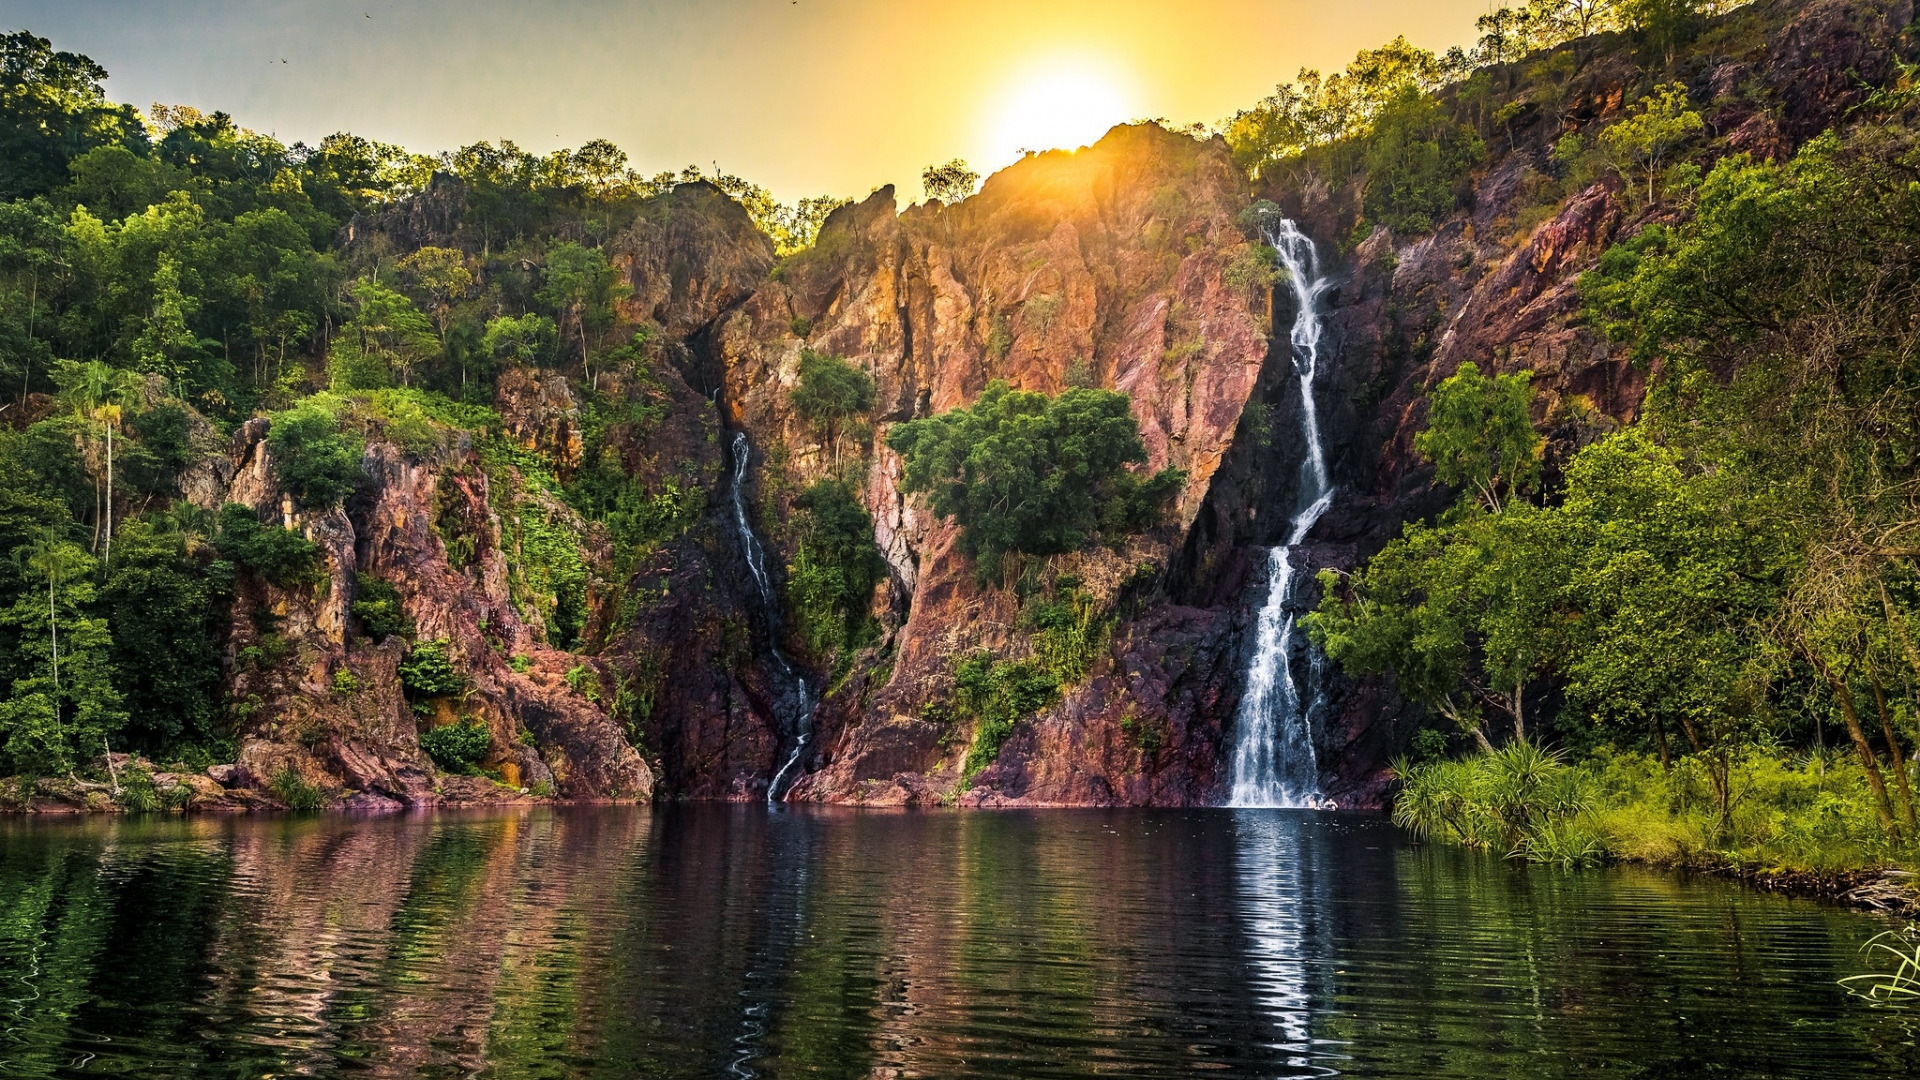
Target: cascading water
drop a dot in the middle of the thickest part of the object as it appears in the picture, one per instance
(756, 555)
(1273, 757)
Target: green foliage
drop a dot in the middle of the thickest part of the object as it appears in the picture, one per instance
(376, 603)
(830, 391)
(1659, 124)
(1315, 110)
(295, 793)
(345, 682)
(1896, 985)
(161, 606)
(428, 671)
(585, 681)
(540, 534)
(998, 694)
(1520, 801)
(1479, 434)
(458, 748)
(835, 569)
(54, 111)
(61, 705)
(280, 556)
(316, 461)
(1418, 161)
(1024, 472)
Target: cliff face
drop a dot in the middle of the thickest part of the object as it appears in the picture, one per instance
(1125, 266)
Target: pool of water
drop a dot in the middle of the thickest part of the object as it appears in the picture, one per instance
(733, 942)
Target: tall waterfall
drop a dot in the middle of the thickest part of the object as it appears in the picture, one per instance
(1273, 758)
(800, 695)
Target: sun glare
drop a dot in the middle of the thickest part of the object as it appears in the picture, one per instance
(1060, 109)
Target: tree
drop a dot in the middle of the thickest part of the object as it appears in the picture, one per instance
(1657, 125)
(387, 336)
(524, 340)
(1479, 434)
(61, 705)
(582, 286)
(1417, 160)
(442, 275)
(314, 459)
(829, 391)
(1021, 471)
(835, 567)
(52, 110)
(949, 183)
(159, 605)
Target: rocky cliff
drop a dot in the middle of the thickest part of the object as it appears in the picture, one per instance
(1125, 265)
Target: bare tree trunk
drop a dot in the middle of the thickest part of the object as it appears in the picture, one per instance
(1868, 762)
(109, 559)
(1895, 756)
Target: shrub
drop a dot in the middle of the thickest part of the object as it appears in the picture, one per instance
(428, 671)
(1418, 160)
(835, 569)
(281, 556)
(458, 747)
(999, 693)
(316, 461)
(584, 681)
(345, 682)
(377, 605)
(830, 390)
(1021, 471)
(295, 793)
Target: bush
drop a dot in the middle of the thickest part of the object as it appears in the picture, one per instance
(999, 693)
(830, 390)
(1021, 471)
(281, 556)
(295, 793)
(428, 671)
(457, 748)
(377, 605)
(835, 569)
(316, 461)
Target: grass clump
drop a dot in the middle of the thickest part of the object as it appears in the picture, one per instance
(295, 793)
(1812, 815)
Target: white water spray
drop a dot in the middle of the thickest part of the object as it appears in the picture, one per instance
(756, 557)
(1273, 757)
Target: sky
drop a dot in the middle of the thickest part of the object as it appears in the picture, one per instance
(805, 97)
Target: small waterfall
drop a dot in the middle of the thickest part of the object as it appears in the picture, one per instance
(756, 555)
(1273, 757)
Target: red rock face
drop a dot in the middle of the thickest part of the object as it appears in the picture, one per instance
(1107, 267)
(1120, 266)
(362, 746)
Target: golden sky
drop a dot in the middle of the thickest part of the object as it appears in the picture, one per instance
(807, 97)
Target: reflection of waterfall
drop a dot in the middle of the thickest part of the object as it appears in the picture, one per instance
(1273, 758)
(1282, 912)
(798, 693)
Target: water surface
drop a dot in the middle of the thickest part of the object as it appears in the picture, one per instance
(730, 941)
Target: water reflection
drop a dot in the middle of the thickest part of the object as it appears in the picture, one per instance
(726, 941)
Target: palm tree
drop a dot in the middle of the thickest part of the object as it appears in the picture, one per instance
(56, 560)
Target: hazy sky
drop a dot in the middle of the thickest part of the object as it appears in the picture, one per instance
(806, 97)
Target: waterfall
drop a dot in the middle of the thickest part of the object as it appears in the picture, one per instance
(756, 556)
(1273, 757)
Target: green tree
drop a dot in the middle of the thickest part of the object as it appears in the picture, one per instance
(829, 392)
(835, 567)
(1656, 126)
(582, 287)
(315, 460)
(62, 704)
(1479, 434)
(1418, 160)
(1020, 471)
(159, 605)
(386, 339)
(52, 110)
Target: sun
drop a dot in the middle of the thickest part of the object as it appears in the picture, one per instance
(1062, 107)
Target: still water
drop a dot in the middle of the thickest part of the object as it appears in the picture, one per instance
(734, 942)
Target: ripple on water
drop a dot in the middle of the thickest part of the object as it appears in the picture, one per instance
(726, 941)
